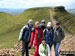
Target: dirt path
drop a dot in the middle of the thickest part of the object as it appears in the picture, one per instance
(53, 21)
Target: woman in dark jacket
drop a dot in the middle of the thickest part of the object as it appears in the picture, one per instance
(49, 34)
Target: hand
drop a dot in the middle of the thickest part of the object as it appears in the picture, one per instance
(29, 47)
(29, 44)
(33, 45)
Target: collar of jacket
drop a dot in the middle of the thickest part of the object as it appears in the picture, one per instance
(29, 25)
(37, 27)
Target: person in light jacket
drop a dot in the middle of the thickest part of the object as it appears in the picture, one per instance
(44, 49)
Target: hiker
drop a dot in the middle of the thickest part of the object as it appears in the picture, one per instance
(58, 37)
(58, 33)
(36, 35)
(25, 37)
(44, 49)
(42, 25)
(49, 34)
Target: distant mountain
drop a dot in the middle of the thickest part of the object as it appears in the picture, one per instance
(12, 11)
(71, 11)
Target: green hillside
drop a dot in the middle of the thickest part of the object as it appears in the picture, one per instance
(6, 23)
(60, 14)
(10, 25)
(4, 20)
(65, 18)
(8, 31)
(33, 13)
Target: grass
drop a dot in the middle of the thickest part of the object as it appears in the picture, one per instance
(66, 19)
(10, 25)
(8, 41)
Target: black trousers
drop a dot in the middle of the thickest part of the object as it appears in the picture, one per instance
(25, 48)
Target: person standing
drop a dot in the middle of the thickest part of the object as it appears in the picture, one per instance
(42, 25)
(58, 37)
(49, 34)
(25, 37)
(36, 35)
(58, 33)
(44, 49)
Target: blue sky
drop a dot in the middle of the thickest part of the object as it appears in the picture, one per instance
(18, 4)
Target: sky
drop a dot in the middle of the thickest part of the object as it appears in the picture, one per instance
(20, 4)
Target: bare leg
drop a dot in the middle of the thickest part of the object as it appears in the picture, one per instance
(52, 51)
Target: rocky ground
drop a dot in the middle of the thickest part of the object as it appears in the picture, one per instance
(7, 52)
(68, 44)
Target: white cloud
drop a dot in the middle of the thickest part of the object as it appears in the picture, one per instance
(35, 3)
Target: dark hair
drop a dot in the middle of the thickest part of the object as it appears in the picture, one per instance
(57, 23)
(43, 38)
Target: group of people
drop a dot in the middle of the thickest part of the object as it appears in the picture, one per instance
(41, 37)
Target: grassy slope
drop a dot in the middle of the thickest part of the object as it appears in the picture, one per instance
(4, 20)
(33, 13)
(8, 31)
(9, 35)
(65, 18)
(6, 23)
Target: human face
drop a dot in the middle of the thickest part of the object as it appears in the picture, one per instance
(43, 24)
(43, 42)
(31, 23)
(37, 25)
(57, 26)
(49, 27)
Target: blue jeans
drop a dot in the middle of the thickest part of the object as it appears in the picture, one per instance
(56, 47)
(25, 49)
